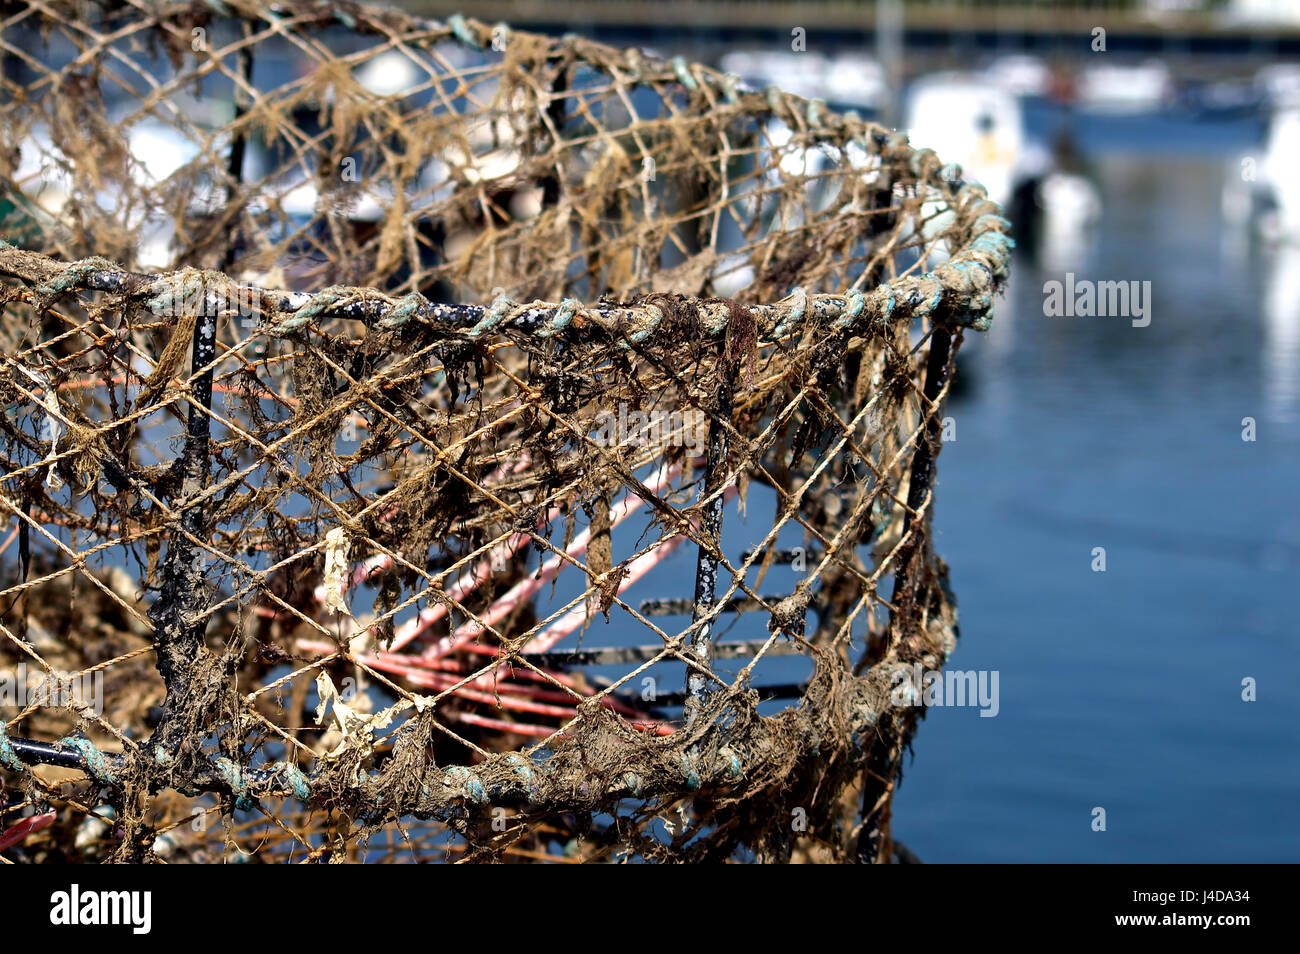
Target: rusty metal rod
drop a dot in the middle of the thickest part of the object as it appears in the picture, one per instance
(706, 561)
(177, 640)
(882, 766)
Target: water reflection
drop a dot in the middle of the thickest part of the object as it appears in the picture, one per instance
(1281, 340)
(1118, 688)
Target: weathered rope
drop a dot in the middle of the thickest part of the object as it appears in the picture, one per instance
(959, 292)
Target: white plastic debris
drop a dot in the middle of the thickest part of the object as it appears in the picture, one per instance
(336, 570)
(354, 726)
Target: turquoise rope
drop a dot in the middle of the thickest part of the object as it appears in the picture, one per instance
(234, 777)
(297, 781)
(795, 314)
(523, 768)
(460, 27)
(733, 762)
(316, 306)
(684, 73)
(8, 756)
(857, 301)
(691, 772)
(655, 317)
(994, 221)
(933, 303)
(560, 320)
(730, 93)
(71, 277)
(469, 782)
(402, 311)
(496, 315)
(96, 764)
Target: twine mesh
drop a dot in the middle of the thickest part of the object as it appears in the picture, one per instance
(408, 422)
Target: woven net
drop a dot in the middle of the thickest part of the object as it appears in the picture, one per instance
(427, 440)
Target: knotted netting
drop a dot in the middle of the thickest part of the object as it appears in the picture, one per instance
(429, 440)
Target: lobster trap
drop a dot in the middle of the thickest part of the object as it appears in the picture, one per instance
(429, 440)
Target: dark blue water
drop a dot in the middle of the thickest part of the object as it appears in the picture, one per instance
(1123, 689)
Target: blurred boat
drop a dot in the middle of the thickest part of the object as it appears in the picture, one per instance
(1261, 193)
(1125, 88)
(1070, 202)
(1056, 206)
(1222, 99)
(1069, 210)
(1278, 85)
(847, 80)
(1020, 75)
(803, 74)
(1278, 171)
(855, 81)
(968, 120)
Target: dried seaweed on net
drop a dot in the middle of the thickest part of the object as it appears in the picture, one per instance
(348, 517)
